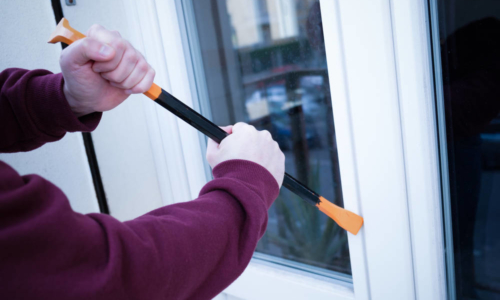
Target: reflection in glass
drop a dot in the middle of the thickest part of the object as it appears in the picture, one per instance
(264, 63)
(470, 49)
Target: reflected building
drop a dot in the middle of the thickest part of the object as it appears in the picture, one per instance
(264, 63)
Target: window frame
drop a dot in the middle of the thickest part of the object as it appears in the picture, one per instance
(399, 37)
(391, 22)
(390, 87)
(407, 151)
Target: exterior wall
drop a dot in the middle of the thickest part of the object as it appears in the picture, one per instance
(282, 19)
(25, 28)
(247, 33)
(122, 141)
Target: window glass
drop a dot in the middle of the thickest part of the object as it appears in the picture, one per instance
(264, 63)
(469, 32)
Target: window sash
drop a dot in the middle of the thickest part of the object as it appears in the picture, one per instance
(379, 65)
(407, 192)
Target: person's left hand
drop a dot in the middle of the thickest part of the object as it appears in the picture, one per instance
(102, 70)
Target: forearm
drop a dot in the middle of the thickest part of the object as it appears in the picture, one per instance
(34, 110)
(190, 250)
(208, 242)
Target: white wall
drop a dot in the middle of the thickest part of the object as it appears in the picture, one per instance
(123, 142)
(26, 26)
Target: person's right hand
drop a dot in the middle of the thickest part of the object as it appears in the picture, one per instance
(245, 142)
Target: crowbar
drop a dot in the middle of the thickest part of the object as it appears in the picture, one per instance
(346, 219)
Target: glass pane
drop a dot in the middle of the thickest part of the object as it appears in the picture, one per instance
(263, 62)
(470, 47)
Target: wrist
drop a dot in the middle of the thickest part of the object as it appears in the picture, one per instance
(251, 174)
(76, 107)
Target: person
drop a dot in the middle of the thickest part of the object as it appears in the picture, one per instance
(190, 250)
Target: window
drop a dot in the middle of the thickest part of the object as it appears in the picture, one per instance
(379, 82)
(469, 71)
(264, 63)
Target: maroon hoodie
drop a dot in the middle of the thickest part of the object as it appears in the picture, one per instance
(189, 250)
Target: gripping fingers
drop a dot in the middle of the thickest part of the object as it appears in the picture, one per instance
(240, 126)
(213, 147)
(108, 66)
(125, 67)
(145, 84)
(85, 50)
(113, 39)
(136, 76)
(228, 129)
(267, 135)
(128, 70)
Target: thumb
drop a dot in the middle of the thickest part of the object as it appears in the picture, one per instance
(228, 129)
(213, 147)
(87, 49)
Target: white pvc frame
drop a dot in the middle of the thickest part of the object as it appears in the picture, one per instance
(380, 69)
(394, 80)
(383, 49)
(389, 169)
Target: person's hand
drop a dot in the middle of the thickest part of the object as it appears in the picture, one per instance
(102, 70)
(245, 142)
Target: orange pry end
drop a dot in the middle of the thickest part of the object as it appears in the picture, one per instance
(65, 34)
(344, 218)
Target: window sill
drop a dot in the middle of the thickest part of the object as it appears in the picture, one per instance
(266, 280)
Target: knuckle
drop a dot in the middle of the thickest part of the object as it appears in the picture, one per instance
(143, 67)
(119, 78)
(239, 126)
(86, 42)
(139, 54)
(120, 44)
(148, 80)
(114, 77)
(116, 33)
(250, 129)
(130, 58)
(126, 85)
(93, 29)
(140, 88)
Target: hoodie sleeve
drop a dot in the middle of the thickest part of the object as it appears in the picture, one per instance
(34, 110)
(190, 250)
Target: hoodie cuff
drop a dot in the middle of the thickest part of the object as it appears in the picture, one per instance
(50, 111)
(251, 174)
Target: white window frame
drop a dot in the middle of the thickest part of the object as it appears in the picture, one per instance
(380, 70)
